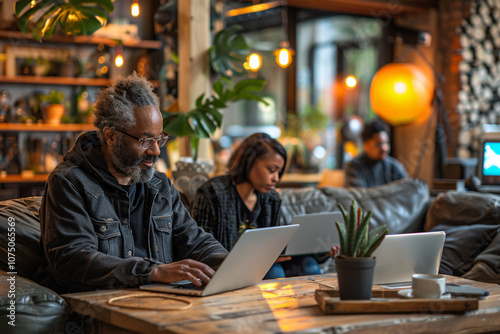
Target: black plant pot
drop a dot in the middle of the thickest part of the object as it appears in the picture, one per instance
(355, 276)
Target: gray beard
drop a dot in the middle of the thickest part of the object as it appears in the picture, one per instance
(125, 165)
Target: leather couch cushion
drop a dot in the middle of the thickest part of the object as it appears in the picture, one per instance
(401, 204)
(37, 309)
(463, 208)
(462, 245)
(24, 213)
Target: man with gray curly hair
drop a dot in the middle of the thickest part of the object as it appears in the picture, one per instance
(108, 218)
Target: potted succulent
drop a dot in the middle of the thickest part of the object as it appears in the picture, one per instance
(355, 264)
(54, 107)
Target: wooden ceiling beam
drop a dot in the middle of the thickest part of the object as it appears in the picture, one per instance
(384, 9)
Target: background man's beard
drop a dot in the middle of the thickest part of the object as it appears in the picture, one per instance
(126, 165)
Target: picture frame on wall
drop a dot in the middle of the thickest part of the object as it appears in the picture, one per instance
(35, 61)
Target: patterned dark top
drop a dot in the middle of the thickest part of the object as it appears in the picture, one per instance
(219, 209)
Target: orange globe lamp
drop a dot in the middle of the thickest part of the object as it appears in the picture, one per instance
(401, 93)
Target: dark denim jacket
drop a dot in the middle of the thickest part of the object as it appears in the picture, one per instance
(86, 235)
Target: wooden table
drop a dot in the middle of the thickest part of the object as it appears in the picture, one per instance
(282, 305)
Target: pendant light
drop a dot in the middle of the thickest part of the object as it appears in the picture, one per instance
(135, 10)
(284, 53)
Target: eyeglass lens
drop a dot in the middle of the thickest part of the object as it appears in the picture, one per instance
(148, 143)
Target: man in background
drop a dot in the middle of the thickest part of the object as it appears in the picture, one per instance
(374, 167)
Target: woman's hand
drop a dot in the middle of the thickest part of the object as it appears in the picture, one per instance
(334, 251)
(283, 259)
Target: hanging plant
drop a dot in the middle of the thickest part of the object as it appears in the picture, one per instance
(206, 118)
(229, 52)
(75, 17)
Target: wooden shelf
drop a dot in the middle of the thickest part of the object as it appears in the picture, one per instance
(61, 81)
(16, 36)
(16, 178)
(20, 127)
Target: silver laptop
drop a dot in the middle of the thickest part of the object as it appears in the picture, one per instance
(400, 256)
(317, 233)
(248, 262)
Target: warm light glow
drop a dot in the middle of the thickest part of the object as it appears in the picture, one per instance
(119, 60)
(401, 94)
(399, 87)
(119, 57)
(33, 3)
(254, 62)
(283, 57)
(351, 81)
(281, 297)
(134, 9)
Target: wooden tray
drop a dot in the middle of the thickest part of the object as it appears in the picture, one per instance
(330, 303)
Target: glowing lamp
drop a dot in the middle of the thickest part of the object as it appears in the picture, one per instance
(119, 57)
(401, 93)
(351, 81)
(135, 9)
(254, 62)
(284, 55)
(119, 60)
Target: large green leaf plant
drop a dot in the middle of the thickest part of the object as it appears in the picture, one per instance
(227, 55)
(75, 17)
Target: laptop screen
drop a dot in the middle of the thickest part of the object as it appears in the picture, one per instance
(490, 162)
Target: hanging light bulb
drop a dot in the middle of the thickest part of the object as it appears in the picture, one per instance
(351, 81)
(284, 54)
(134, 9)
(119, 57)
(33, 3)
(253, 63)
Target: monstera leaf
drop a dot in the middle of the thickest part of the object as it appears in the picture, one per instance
(205, 118)
(76, 17)
(229, 52)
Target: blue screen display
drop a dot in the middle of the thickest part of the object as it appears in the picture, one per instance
(491, 159)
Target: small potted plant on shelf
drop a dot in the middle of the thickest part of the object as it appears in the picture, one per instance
(54, 108)
(355, 264)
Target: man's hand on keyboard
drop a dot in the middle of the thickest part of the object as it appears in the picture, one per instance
(191, 270)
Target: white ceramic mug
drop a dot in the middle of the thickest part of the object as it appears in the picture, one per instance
(427, 286)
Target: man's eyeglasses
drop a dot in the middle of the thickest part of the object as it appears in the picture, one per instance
(147, 143)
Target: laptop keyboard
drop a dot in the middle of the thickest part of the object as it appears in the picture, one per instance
(191, 286)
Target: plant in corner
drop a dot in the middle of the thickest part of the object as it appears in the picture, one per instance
(227, 56)
(355, 264)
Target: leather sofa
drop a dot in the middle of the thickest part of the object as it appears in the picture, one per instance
(471, 220)
(32, 308)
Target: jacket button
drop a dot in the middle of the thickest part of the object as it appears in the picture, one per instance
(129, 253)
(125, 221)
(170, 224)
(103, 228)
